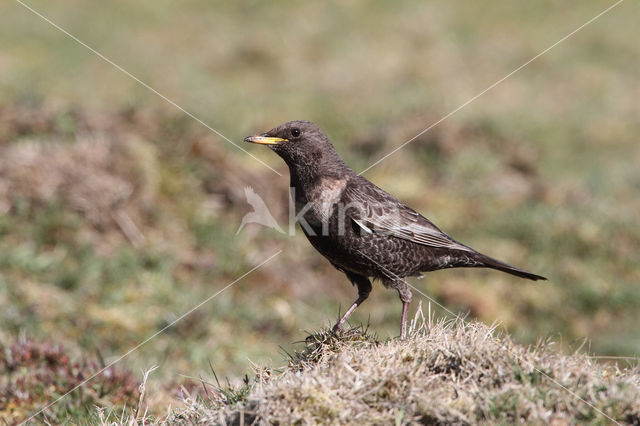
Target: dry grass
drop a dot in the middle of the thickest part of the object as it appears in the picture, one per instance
(446, 371)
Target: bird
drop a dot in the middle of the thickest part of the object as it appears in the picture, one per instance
(363, 231)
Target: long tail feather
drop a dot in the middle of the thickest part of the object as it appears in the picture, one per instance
(489, 262)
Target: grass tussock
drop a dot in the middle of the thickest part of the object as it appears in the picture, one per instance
(445, 371)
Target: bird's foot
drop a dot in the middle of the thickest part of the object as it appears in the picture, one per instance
(337, 328)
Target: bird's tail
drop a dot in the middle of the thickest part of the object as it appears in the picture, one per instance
(489, 262)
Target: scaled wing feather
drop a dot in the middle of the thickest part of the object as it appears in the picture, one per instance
(375, 211)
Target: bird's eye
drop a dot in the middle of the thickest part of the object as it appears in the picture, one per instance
(295, 132)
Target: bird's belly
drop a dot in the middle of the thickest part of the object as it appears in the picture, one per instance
(368, 254)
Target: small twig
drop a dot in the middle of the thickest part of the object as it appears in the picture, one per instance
(129, 228)
(143, 389)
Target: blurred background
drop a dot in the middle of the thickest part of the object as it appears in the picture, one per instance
(118, 212)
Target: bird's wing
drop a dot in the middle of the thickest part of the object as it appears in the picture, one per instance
(376, 211)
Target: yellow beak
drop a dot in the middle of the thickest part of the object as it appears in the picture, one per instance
(265, 140)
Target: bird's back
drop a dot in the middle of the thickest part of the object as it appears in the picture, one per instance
(398, 241)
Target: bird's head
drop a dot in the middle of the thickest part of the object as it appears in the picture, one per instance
(299, 143)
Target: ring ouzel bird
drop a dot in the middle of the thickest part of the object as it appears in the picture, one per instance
(362, 230)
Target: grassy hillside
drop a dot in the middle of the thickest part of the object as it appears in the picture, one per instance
(444, 372)
(118, 213)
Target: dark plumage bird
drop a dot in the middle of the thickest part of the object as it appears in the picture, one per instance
(362, 230)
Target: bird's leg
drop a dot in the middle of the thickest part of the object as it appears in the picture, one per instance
(403, 320)
(405, 296)
(345, 317)
(364, 288)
